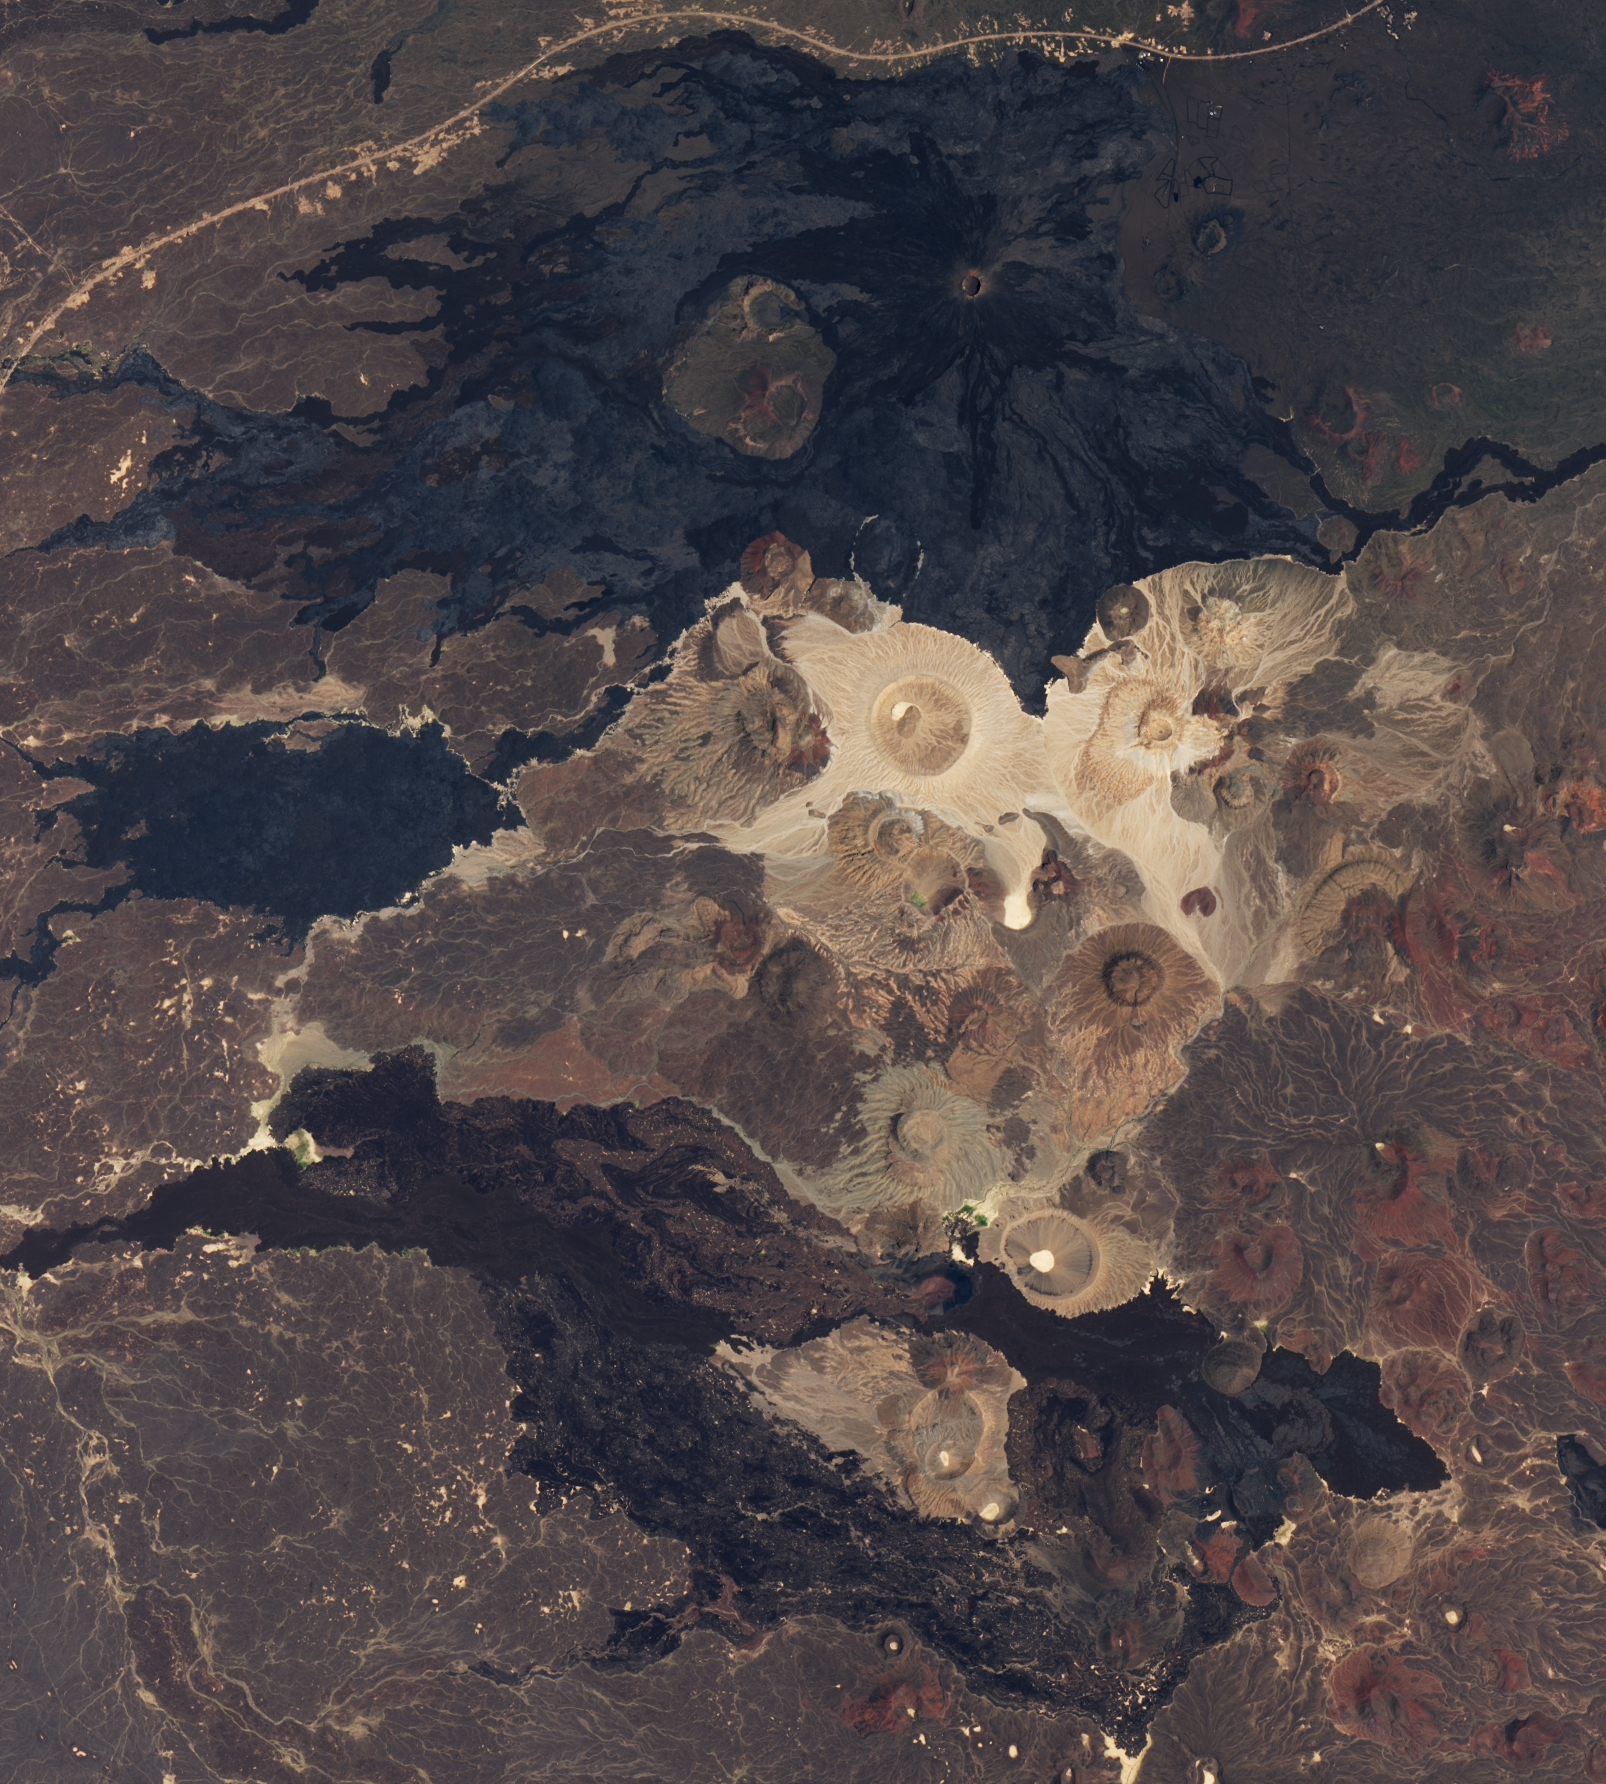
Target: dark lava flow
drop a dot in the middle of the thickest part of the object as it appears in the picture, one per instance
(294, 13)
(1020, 447)
(616, 1246)
(1585, 1478)
(1456, 486)
(618, 1398)
(1003, 436)
(1146, 1354)
(34, 967)
(240, 815)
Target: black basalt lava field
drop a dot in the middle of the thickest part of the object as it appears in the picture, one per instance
(1003, 435)
(802, 901)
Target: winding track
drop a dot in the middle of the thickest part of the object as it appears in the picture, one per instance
(427, 147)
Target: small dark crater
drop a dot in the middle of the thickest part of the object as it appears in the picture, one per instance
(1232, 1368)
(1491, 1346)
(1216, 233)
(1107, 1170)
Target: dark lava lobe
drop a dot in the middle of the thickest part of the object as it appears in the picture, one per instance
(294, 13)
(663, 1221)
(1152, 1352)
(244, 815)
(1585, 1478)
(615, 1247)
(1021, 438)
